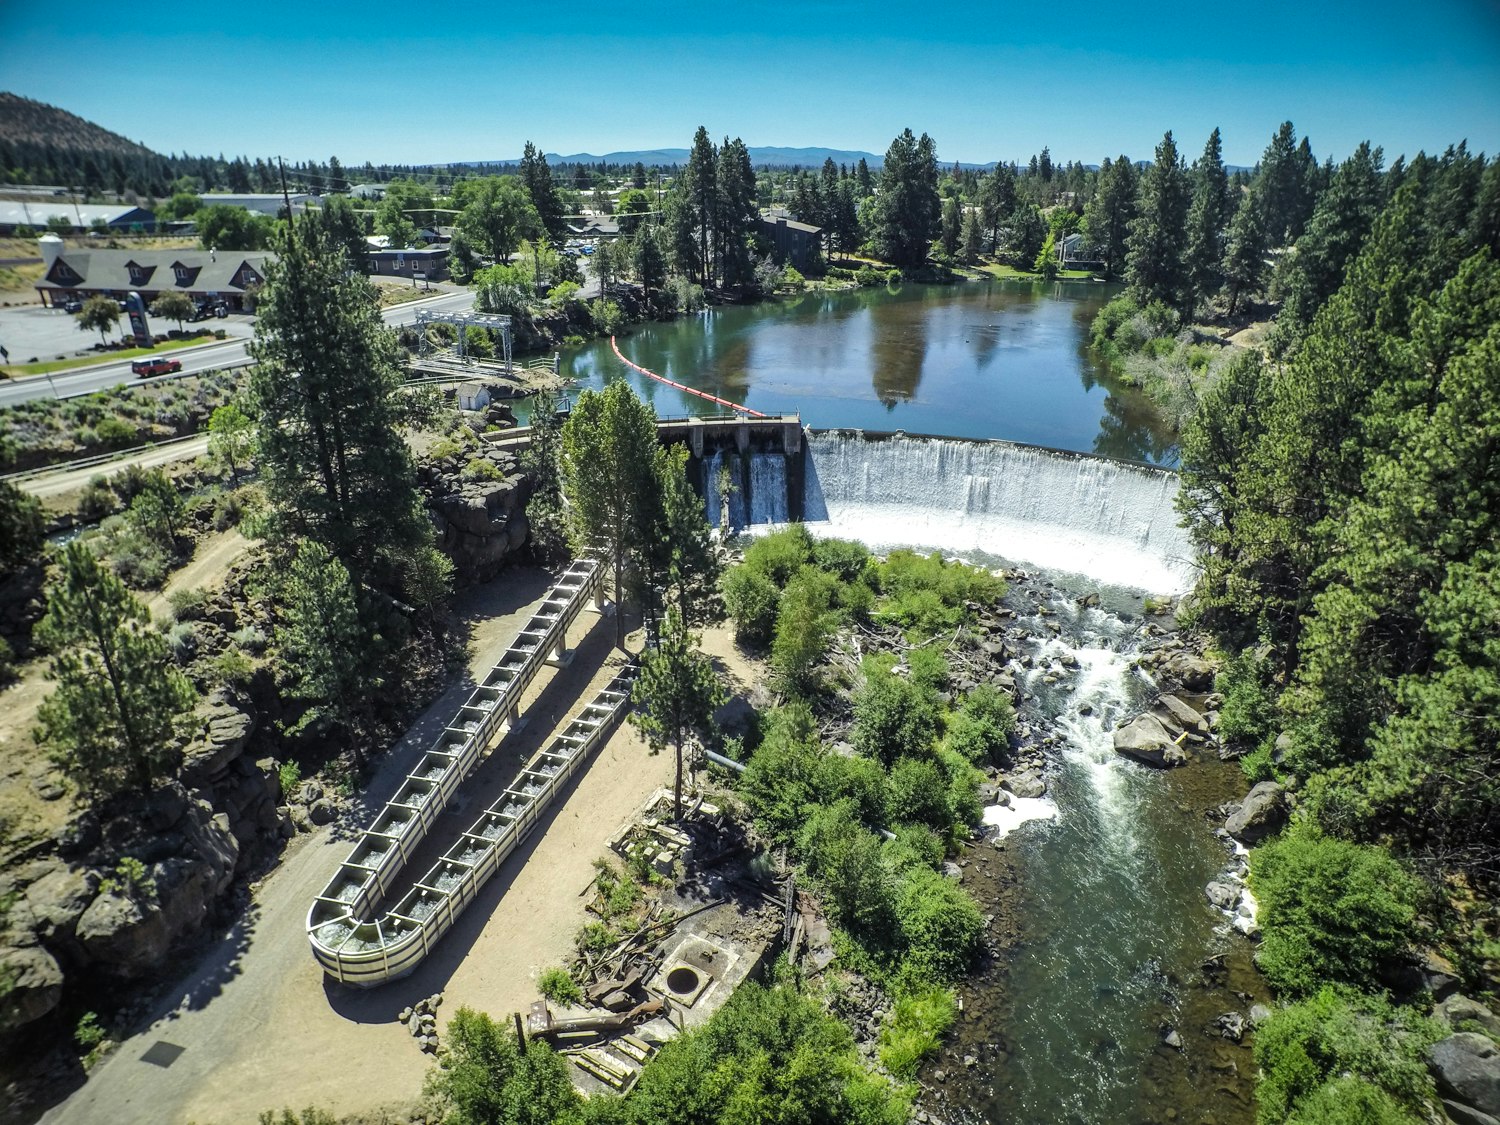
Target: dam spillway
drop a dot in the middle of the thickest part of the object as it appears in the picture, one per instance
(1109, 521)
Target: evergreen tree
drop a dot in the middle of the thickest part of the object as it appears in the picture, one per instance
(648, 261)
(1245, 253)
(113, 718)
(737, 213)
(1282, 186)
(1154, 264)
(675, 694)
(971, 236)
(1028, 233)
(333, 462)
(609, 446)
(321, 643)
(537, 178)
(1208, 221)
(680, 565)
(22, 529)
(952, 227)
(908, 207)
(1341, 222)
(541, 460)
(701, 191)
(1109, 214)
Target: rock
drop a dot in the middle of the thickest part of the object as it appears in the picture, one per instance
(1461, 1114)
(1223, 893)
(1191, 671)
(226, 730)
(970, 1061)
(124, 933)
(1146, 740)
(1261, 813)
(35, 986)
(952, 871)
(1173, 1040)
(1184, 716)
(403, 1015)
(1025, 784)
(1439, 975)
(1259, 1014)
(322, 811)
(308, 792)
(1466, 1067)
(58, 899)
(1458, 1010)
(1231, 1026)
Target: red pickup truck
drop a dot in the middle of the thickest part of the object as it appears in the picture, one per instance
(155, 366)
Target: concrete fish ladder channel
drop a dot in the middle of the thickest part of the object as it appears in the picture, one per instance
(359, 946)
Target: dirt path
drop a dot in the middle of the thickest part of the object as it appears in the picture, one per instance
(260, 1024)
(211, 561)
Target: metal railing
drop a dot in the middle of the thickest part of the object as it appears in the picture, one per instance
(348, 940)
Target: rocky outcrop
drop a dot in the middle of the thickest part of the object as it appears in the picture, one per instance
(1263, 811)
(478, 501)
(1462, 1013)
(1466, 1068)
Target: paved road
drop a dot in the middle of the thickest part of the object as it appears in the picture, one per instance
(209, 358)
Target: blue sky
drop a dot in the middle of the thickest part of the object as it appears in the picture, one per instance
(432, 83)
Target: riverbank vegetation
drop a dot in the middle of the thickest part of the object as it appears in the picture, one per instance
(1343, 499)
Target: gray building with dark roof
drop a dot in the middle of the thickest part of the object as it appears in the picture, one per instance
(233, 277)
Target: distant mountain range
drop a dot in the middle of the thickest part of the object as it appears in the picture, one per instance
(759, 155)
(27, 122)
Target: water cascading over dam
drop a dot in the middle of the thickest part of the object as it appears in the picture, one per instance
(1109, 521)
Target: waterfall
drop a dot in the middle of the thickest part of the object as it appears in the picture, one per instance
(1108, 521)
(768, 488)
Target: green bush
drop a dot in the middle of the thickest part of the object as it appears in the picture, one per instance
(893, 717)
(1248, 717)
(1348, 1100)
(114, 431)
(781, 554)
(484, 1077)
(980, 729)
(97, 500)
(187, 603)
(1339, 1032)
(845, 859)
(558, 985)
(919, 794)
(1330, 911)
(805, 623)
(290, 776)
(926, 596)
(846, 559)
(231, 667)
(88, 1034)
(916, 1028)
(751, 600)
(482, 468)
(939, 924)
(607, 315)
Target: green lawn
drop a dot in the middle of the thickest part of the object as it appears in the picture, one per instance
(16, 369)
(996, 269)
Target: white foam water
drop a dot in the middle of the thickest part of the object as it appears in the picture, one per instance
(1005, 819)
(1107, 521)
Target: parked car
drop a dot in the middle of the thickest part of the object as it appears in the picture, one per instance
(73, 305)
(155, 365)
(207, 309)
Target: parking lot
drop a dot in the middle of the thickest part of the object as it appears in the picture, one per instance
(33, 333)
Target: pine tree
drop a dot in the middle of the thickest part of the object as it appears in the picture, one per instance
(1154, 264)
(333, 461)
(1245, 253)
(737, 214)
(701, 189)
(113, 718)
(321, 643)
(675, 694)
(537, 178)
(952, 227)
(609, 446)
(908, 206)
(1109, 213)
(1283, 188)
(1208, 221)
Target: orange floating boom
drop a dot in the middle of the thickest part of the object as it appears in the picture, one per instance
(680, 387)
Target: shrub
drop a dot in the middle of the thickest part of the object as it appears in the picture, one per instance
(919, 793)
(925, 595)
(916, 1027)
(981, 727)
(290, 776)
(483, 1075)
(804, 624)
(893, 717)
(1330, 910)
(558, 985)
(249, 638)
(114, 431)
(231, 667)
(845, 858)
(97, 500)
(183, 641)
(187, 603)
(751, 600)
(1248, 717)
(481, 468)
(1337, 1033)
(939, 924)
(88, 1034)
(607, 315)
(846, 559)
(781, 554)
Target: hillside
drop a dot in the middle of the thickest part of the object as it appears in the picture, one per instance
(27, 122)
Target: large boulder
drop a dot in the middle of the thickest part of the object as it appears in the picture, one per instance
(1262, 812)
(227, 725)
(1179, 716)
(35, 986)
(1190, 670)
(1146, 740)
(1025, 784)
(58, 899)
(1466, 1067)
(1458, 1010)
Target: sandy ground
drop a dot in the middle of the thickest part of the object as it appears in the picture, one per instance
(261, 1025)
(211, 559)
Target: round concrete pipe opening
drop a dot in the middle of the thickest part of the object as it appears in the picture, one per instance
(682, 980)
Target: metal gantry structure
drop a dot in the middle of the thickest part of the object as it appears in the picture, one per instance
(463, 321)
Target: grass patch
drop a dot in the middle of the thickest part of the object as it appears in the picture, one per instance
(16, 370)
(917, 1025)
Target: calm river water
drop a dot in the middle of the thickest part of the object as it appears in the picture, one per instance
(980, 360)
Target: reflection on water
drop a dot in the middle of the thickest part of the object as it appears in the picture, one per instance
(980, 359)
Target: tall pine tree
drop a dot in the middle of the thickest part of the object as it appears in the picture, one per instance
(1154, 263)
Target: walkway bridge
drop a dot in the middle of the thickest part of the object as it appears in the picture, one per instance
(351, 939)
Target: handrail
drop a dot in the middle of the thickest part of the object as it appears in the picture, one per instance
(364, 880)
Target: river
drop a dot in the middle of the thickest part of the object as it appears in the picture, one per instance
(998, 359)
(1107, 926)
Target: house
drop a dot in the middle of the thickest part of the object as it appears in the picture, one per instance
(367, 191)
(233, 277)
(790, 240)
(20, 215)
(430, 262)
(473, 396)
(264, 203)
(1072, 254)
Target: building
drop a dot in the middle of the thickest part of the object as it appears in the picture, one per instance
(429, 262)
(367, 191)
(265, 203)
(1072, 254)
(18, 215)
(233, 277)
(790, 240)
(473, 396)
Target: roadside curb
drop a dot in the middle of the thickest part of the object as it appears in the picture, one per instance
(173, 354)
